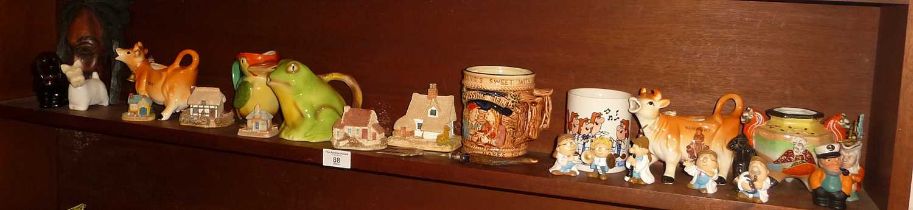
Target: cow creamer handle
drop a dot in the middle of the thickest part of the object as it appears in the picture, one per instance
(736, 112)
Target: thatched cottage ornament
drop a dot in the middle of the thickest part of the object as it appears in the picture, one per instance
(428, 124)
(206, 109)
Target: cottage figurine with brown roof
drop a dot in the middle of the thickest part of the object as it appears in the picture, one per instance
(358, 129)
(428, 124)
(259, 124)
(206, 109)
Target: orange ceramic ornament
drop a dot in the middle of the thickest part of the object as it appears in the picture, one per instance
(168, 85)
(670, 135)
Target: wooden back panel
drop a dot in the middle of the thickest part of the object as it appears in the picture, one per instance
(774, 54)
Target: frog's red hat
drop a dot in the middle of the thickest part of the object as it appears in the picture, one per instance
(827, 151)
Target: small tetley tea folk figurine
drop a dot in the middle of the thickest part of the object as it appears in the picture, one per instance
(565, 153)
(600, 158)
(704, 169)
(830, 183)
(754, 182)
(639, 163)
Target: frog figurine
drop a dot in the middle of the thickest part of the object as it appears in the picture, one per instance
(309, 105)
(250, 76)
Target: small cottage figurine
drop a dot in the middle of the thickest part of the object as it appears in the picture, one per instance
(259, 124)
(48, 81)
(830, 183)
(754, 182)
(600, 158)
(428, 124)
(566, 159)
(206, 109)
(851, 151)
(358, 129)
(704, 169)
(140, 109)
(638, 164)
(84, 92)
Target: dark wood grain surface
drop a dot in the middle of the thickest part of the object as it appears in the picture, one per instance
(902, 164)
(26, 29)
(152, 147)
(28, 159)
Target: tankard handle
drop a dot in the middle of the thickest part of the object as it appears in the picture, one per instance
(540, 111)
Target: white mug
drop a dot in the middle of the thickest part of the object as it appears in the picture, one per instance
(595, 112)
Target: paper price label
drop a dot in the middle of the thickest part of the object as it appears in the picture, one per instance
(337, 158)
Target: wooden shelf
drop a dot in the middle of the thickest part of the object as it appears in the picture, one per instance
(526, 179)
(850, 2)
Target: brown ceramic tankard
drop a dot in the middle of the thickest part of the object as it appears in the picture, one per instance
(502, 110)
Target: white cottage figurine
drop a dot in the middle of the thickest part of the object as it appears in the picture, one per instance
(140, 109)
(206, 109)
(83, 92)
(428, 124)
(358, 129)
(259, 124)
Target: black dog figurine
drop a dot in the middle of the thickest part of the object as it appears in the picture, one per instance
(48, 82)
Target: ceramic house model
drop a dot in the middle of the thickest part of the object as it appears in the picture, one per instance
(140, 109)
(206, 109)
(428, 124)
(259, 124)
(358, 129)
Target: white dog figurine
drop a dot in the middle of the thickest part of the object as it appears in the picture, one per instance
(83, 92)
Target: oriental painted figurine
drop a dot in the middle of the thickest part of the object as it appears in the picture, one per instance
(49, 82)
(703, 170)
(638, 164)
(168, 85)
(754, 182)
(851, 150)
(670, 134)
(600, 158)
(428, 123)
(830, 183)
(565, 152)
